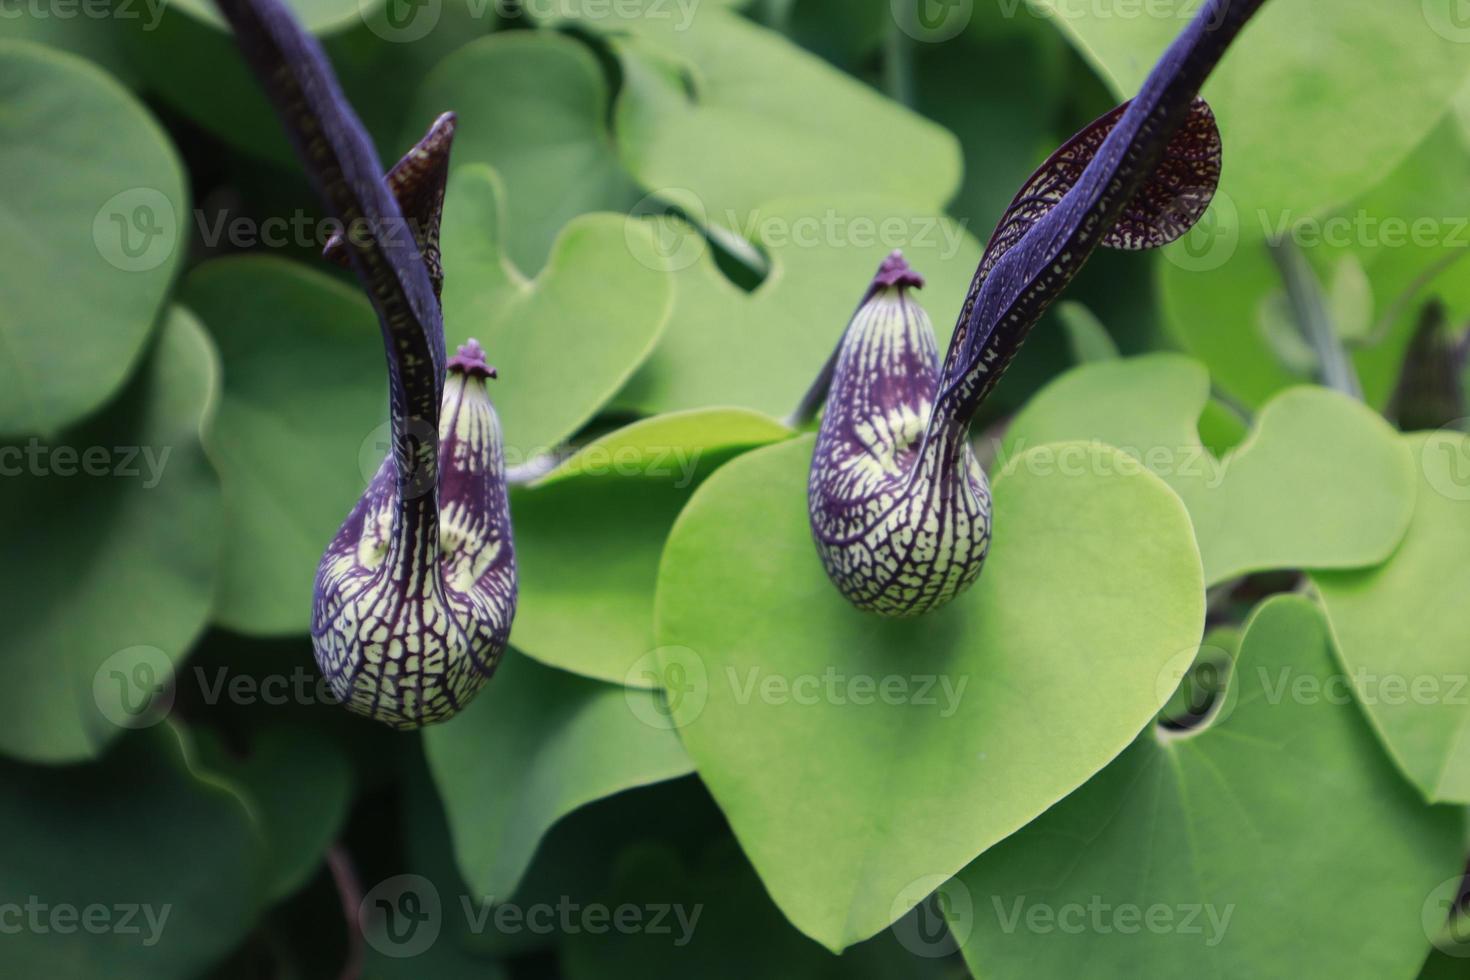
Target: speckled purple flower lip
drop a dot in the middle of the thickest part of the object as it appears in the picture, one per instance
(900, 509)
(415, 595)
(417, 182)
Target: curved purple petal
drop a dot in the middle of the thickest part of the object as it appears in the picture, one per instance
(1014, 288)
(340, 160)
(415, 594)
(418, 182)
(900, 509)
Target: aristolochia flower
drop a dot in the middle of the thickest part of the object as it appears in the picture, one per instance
(415, 595)
(899, 506)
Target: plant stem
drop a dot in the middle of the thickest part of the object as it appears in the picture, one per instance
(344, 875)
(1310, 308)
(898, 65)
(811, 403)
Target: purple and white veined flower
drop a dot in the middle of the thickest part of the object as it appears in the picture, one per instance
(415, 595)
(881, 497)
(900, 508)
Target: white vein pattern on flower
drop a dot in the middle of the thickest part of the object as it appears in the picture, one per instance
(901, 526)
(899, 510)
(415, 594)
(413, 612)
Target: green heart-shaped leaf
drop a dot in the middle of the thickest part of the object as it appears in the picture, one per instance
(1321, 483)
(565, 342)
(721, 116)
(715, 905)
(762, 350)
(93, 194)
(533, 105)
(114, 527)
(299, 786)
(574, 861)
(1401, 631)
(90, 37)
(1216, 314)
(1088, 338)
(857, 757)
(538, 744)
(679, 446)
(590, 534)
(1391, 69)
(1211, 854)
(195, 66)
(1221, 428)
(294, 438)
(132, 866)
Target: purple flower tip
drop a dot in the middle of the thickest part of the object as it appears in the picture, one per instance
(444, 126)
(469, 360)
(895, 271)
